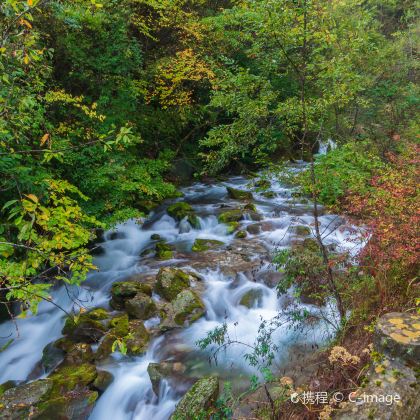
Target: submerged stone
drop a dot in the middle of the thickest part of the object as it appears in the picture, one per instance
(239, 194)
(201, 396)
(206, 244)
(171, 281)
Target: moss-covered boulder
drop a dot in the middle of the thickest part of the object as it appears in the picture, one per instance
(163, 370)
(228, 216)
(84, 329)
(70, 377)
(239, 194)
(171, 281)
(103, 380)
(183, 210)
(163, 251)
(141, 306)
(251, 298)
(200, 398)
(138, 338)
(122, 291)
(187, 307)
(231, 227)
(206, 244)
(119, 329)
(78, 353)
(241, 234)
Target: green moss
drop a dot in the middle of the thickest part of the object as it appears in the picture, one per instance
(163, 251)
(250, 207)
(241, 234)
(171, 281)
(68, 378)
(180, 210)
(83, 328)
(98, 314)
(269, 194)
(239, 194)
(124, 290)
(231, 227)
(205, 244)
(138, 338)
(230, 216)
(187, 306)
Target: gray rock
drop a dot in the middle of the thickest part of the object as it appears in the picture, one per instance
(141, 306)
(164, 370)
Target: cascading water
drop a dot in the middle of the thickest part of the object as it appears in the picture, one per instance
(130, 396)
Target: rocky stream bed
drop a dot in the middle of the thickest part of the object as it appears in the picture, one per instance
(161, 285)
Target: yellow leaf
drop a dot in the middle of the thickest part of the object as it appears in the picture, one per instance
(33, 197)
(30, 2)
(26, 59)
(45, 137)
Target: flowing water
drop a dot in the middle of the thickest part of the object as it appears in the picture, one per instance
(130, 395)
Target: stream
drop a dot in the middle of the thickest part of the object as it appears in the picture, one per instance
(223, 282)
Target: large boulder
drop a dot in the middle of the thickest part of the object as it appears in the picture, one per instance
(234, 215)
(141, 306)
(171, 281)
(182, 210)
(187, 307)
(206, 244)
(162, 371)
(122, 291)
(239, 194)
(195, 403)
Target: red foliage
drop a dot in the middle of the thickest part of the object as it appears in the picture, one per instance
(392, 213)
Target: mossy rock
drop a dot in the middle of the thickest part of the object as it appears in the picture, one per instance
(155, 237)
(147, 252)
(78, 353)
(103, 380)
(99, 314)
(146, 206)
(6, 385)
(251, 298)
(84, 329)
(122, 291)
(69, 378)
(187, 307)
(206, 244)
(119, 329)
(183, 210)
(163, 371)
(239, 194)
(230, 216)
(301, 230)
(140, 306)
(163, 251)
(262, 184)
(269, 194)
(241, 234)
(171, 281)
(231, 227)
(250, 207)
(200, 398)
(138, 338)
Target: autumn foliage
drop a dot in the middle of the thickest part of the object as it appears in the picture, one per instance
(391, 211)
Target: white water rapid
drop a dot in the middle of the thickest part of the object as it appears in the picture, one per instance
(130, 395)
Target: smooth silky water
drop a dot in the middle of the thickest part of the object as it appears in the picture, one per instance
(130, 395)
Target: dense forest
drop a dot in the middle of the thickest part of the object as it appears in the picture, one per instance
(111, 111)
